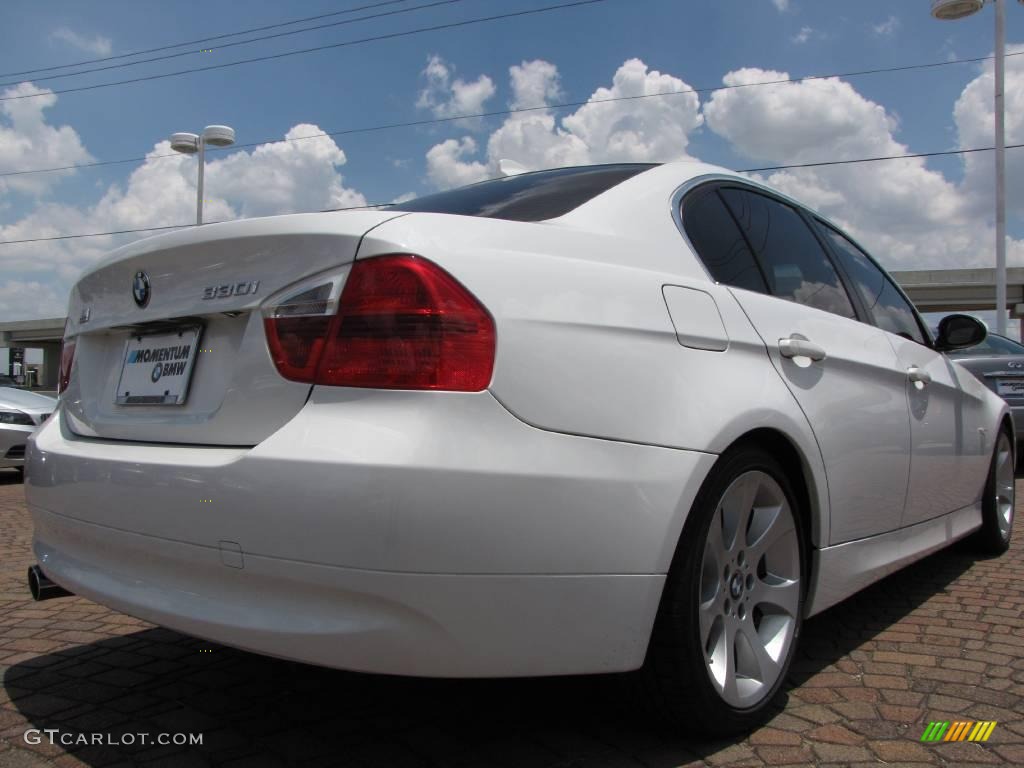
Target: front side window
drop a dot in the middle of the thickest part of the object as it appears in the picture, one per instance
(795, 264)
(884, 303)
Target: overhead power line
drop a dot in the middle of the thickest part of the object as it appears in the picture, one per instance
(826, 163)
(329, 46)
(205, 39)
(385, 205)
(518, 110)
(166, 56)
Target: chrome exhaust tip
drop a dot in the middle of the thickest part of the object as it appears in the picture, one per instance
(41, 587)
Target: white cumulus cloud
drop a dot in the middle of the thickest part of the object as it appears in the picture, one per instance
(618, 124)
(974, 115)
(910, 216)
(277, 177)
(299, 174)
(28, 141)
(96, 44)
(803, 35)
(887, 28)
(446, 166)
(448, 97)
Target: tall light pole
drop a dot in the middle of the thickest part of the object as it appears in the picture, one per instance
(958, 9)
(191, 143)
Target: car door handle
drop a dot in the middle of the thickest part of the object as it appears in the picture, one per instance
(919, 376)
(795, 346)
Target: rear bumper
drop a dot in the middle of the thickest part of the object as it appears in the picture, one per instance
(370, 621)
(401, 533)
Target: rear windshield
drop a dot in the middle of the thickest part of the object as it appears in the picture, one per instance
(528, 197)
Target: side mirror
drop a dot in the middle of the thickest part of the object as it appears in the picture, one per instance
(959, 332)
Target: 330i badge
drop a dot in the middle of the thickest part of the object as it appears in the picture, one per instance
(244, 288)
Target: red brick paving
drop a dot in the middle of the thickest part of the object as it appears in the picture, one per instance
(942, 640)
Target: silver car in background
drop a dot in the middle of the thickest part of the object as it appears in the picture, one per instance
(21, 413)
(998, 362)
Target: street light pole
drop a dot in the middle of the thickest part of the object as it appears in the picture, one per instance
(191, 143)
(199, 182)
(959, 9)
(1000, 107)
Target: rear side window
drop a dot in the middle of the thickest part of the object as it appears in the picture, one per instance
(719, 242)
(794, 263)
(530, 196)
(887, 307)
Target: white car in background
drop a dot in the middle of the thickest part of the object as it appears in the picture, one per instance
(21, 413)
(587, 420)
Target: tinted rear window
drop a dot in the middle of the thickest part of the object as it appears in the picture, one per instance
(717, 239)
(529, 197)
(793, 260)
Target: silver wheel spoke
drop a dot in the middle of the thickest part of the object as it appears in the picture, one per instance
(750, 589)
(718, 649)
(729, 683)
(777, 595)
(709, 611)
(765, 668)
(1005, 490)
(736, 507)
(769, 525)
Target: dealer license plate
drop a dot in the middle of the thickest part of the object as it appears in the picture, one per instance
(157, 368)
(1011, 387)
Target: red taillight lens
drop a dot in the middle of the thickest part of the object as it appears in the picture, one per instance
(296, 344)
(67, 357)
(405, 323)
(402, 323)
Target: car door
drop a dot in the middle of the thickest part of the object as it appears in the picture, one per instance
(842, 372)
(949, 450)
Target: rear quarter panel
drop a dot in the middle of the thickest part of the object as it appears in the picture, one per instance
(586, 345)
(989, 409)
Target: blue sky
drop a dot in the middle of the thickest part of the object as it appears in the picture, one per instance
(693, 41)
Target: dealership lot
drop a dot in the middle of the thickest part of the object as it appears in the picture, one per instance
(942, 640)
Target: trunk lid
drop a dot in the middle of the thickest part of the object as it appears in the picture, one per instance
(214, 278)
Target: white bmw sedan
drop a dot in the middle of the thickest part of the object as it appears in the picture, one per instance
(588, 420)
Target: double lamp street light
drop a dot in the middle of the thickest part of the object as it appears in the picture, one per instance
(191, 143)
(959, 9)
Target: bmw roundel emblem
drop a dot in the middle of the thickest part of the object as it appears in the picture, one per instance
(158, 371)
(140, 288)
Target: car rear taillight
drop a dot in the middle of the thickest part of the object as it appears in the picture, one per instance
(297, 329)
(67, 358)
(402, 322)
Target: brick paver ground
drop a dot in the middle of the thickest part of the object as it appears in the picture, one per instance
(942, 640)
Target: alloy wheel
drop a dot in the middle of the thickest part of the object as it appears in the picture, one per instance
(1004, 485)
(749, 589)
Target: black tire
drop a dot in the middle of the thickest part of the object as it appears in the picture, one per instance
(993, 538)
(675, 682)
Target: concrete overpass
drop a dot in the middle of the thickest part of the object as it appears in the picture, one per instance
(962, 290)
(934, 290)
